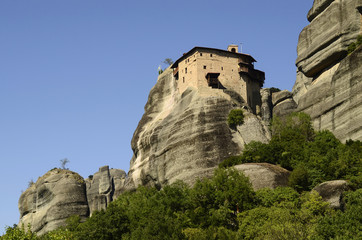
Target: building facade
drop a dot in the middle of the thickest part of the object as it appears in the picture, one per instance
(220, 69)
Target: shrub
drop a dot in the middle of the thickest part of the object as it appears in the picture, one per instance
(231, 161)
(351, 48)
(359, 40)
(236, 117)
(299, 179)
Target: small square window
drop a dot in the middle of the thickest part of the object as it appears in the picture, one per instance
(200, 54)
(204, 67)
(210, 54)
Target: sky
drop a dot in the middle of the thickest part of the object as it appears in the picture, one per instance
(75, 74)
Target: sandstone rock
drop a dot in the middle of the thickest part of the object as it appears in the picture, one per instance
(359, 6)
(264, 175)
(251, 130)
(56, 196)
(278, 97)
(332, 191)
(325, 40)
(104, 187)
(334, 99)
(266, 104)
(284, 108)
(328, 85)
(318, 7)
(261, 175)
(181, 136)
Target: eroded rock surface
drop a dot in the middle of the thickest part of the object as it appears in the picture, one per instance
(261, 175)
(332, 192)
(181, 136)
(329, 83)
(335, 25)
(103, 187)
(264, 175)
(55, 197)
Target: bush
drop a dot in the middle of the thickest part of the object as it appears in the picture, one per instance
(351, 48)
(359, 40)
(299, 179)
(236, 117)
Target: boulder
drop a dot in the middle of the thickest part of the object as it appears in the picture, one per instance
(261, 175)
(332, 192)
(54, 197)
(264, 175)
(103, 187)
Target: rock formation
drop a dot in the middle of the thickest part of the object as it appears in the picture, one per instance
(180, 136)
(264, 175)
(103, 187)
(56, 196)
(332, 192)
(329, 83)
(283, 103)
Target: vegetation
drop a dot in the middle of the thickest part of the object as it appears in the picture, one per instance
(226, 207)
(353, 46)
(168, 61)
(235, 118)
(313, 157)
(63, 163)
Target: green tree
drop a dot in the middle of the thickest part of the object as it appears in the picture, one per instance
(235, 118)
(216, 201)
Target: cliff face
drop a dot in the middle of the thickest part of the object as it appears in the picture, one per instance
(329, 83)
(182, 136)
(55, 197)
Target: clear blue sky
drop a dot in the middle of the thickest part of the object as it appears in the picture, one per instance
(75, 74)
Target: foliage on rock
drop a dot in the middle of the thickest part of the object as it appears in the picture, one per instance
(353, 46)
(235, 118)
(223, 207)
(313, 156)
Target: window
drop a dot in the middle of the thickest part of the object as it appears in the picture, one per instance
(185, 70)
(210, 54)
(183, 79)
(204, 67)
(200, 54)
(222, 68)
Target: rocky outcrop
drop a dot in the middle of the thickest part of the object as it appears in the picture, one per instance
(283, 103)
(103, 187)
(264, 175)
(334, 25)
(329, 83)
(56, 196)
(261, 175)
(332, 192)
(181, 136)
(266, 104)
